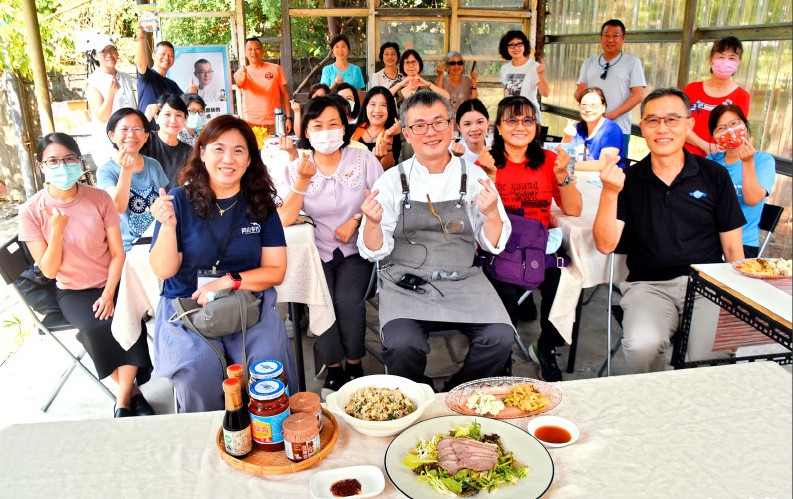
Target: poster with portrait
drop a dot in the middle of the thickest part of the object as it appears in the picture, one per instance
(205, 67)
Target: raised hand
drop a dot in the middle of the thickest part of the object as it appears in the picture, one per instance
(488, 163)
(560, 165)
(487, 199)
(162, 209)
(287, 144)
(57, 218)
(113, 88)
(612, 176)
(746, 150)
(371, 208)
(541, 67)
(440, 69)
(305, 169)
(458, 149)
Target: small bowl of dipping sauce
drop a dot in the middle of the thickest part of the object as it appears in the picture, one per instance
(553, 431)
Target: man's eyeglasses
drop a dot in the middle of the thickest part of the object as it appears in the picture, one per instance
(723, 128)
(527, 122)
(55, 162)
(203, 73)
(438, 126)
(605, 71)
(514, 45)
(671, 121)
(455, 63)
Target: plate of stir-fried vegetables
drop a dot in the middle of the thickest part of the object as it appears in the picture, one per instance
(417, 462)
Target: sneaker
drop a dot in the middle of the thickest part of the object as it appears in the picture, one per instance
(549, 371)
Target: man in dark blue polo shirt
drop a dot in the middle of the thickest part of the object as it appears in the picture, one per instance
(152, 82)
(672, 210)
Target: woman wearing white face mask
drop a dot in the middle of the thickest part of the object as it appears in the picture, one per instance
(330, 183)
(753, 172)
(719, 89)
(72, 232)
(196, 119)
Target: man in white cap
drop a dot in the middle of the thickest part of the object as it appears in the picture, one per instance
(107, 91)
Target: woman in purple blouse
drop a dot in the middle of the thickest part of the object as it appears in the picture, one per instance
(329, 182)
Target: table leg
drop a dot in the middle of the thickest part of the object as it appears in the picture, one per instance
(683, 330)
(297, 317)
(574, 335)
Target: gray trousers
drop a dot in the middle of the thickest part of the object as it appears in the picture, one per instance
(653, 310)
(406, 346)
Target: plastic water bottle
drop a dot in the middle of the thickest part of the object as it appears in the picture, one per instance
(280, 122)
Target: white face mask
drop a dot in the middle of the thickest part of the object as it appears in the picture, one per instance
(326, 141)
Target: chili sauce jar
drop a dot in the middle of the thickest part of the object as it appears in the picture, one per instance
(268, 408)
(301, 436)
(309, 403)
(268, 369)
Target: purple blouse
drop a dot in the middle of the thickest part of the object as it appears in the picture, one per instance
(332, 200)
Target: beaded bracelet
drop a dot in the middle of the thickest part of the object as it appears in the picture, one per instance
(302, 193)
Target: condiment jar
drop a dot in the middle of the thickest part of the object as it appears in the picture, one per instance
(268, 408)
(268, 369)
(301, 436)
(309, 403)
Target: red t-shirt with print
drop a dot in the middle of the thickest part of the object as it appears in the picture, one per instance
(521, 187)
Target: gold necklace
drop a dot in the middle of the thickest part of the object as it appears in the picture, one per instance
(222, 211)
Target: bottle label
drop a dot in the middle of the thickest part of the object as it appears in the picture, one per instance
(238, 443)
(268, 429)
(299, 451)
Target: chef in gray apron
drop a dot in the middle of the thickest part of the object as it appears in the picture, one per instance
(423, 221)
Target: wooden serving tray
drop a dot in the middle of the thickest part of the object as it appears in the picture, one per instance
(260, 462)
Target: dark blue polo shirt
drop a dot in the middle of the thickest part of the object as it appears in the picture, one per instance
(151, 85)
(669, 228)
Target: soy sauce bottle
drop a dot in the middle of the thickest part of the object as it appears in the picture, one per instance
(236, 371)
(236, 422)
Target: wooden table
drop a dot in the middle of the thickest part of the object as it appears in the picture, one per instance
(764, 304)
(722, 431)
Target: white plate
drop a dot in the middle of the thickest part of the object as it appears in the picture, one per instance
(371, 478)
(527, 450)
(568, 425)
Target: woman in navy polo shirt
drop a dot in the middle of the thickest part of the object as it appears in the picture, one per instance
(224, 217)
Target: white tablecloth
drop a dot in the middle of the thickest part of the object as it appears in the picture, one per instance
(304, 282)
(709, 432)
(758, 291)
(588, 267)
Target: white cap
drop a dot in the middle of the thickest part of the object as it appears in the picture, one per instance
(100, 42)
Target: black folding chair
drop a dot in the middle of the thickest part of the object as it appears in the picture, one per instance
(14, 259)
(768, 222)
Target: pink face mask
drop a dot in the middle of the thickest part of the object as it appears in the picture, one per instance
(724, 68)
(732, 138)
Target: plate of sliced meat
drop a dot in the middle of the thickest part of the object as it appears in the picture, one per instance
(427, 459)
(504, 397)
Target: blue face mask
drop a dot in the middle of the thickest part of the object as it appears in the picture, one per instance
(195, 121)
(64, 176)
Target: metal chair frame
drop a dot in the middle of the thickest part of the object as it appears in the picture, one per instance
(14, 260)
(768, 222)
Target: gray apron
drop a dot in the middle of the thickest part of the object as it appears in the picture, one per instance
(457, 291)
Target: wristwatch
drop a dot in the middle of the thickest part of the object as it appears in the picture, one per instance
(237, 278)
(567, 181)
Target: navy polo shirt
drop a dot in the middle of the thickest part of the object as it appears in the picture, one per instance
(669, 228)
(151, 85)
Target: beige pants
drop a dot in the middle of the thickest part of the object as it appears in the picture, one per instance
(653, 310)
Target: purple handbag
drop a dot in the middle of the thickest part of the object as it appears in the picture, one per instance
(523, 260)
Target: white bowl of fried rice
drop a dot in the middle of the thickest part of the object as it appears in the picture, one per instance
(380, 405)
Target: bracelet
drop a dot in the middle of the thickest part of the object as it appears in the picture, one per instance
(390, 150)
(302, 193)
(289, 118)
(473, 88)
